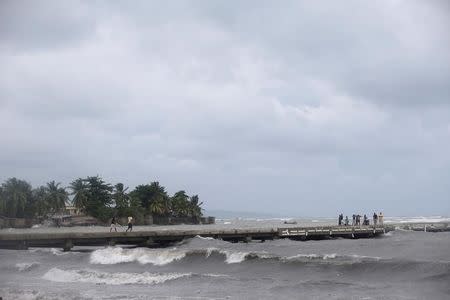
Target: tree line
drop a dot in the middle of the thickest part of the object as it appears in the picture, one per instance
(96, 198)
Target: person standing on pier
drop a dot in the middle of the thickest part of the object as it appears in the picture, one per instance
(341, 217)
(380, 218)
(353, 220)
(346, 221)
(113, 224)
(375, 219)
(130, 224)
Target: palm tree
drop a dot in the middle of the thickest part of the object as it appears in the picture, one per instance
(79, 190)
(120, 197)
(180, 204)
(2, 201)
(17, 198)
(195, 207)
(93, 196)
(56, 196)
(157, 207)
(159, 202)
(40, 201)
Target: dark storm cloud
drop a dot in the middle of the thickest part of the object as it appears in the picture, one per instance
(274, 105)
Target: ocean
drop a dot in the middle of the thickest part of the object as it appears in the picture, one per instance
(399, 265)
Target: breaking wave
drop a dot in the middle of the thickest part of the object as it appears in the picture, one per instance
(96, 277)
(53, 251)
(160, 257)
(22, 267)
(116, 255)
(234, 257)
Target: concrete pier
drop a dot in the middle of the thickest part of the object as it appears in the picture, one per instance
(155, 236)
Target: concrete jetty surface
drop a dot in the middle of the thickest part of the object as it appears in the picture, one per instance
(67, 238)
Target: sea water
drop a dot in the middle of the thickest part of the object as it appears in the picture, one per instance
(399, 265)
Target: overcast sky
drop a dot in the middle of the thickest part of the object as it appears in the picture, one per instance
(302, 108)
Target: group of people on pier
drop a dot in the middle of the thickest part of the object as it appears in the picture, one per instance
(356, 220)
(114, 225)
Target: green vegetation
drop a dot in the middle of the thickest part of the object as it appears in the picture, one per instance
(96, 198)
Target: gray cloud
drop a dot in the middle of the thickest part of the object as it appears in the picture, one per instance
(30, 26)
(266, 105)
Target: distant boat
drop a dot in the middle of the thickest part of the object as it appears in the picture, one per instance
(290, 222)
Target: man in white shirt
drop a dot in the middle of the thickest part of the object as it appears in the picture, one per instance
(130, 224)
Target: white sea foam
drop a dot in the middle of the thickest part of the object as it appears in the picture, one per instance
(421, 219)
(234, 257)
(26, 266)
(53, 251)
(216, 275)
(312, 256)
(361, 257)
(265, 255)
(209, 251)
(204, 238)
(116, 255)
(90, 276)
(330, 256)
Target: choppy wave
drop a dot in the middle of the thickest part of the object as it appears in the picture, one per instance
(115, 255)
(22, 294)
(53, 251)
(27, 266)
(235, 257)
(160, 257)
(96, 277)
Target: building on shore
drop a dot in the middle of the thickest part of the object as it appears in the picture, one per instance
(73, 211)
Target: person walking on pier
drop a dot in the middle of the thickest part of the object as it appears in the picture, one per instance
(380, 218)
(130, 224)
(366, 220)
(375, 219)
(340, 219)
(113, 224)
